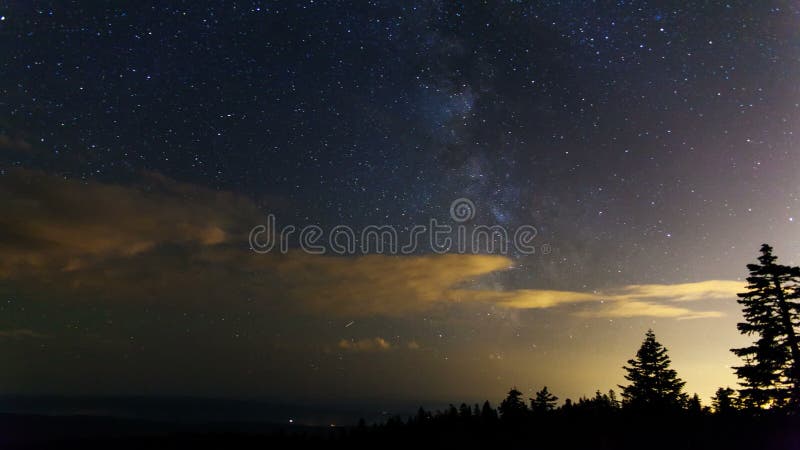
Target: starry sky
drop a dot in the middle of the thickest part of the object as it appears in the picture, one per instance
(650, 143)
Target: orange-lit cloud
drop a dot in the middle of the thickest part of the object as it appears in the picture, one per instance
(55, 224)
(21, 333)
(633, 308)
(651, 300)
(376, 344)
(654, 300)
(701, 290)
(383, 285)
(525, 298)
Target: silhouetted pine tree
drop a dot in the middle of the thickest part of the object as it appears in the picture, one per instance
(422, 416)
(544, 401)
(724, 401)
(760, 376)
(693, 405)
(452, 413)
(513, 408)
(654, 385)
(613, 403)
(600, 403)
(771, 371)
(488, 414)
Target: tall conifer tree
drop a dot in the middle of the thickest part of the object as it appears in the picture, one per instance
(653, 384)
(770, 374)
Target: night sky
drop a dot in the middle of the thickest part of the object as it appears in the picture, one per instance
(651, 145)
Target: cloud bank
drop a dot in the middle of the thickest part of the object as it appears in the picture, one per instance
(168, 242)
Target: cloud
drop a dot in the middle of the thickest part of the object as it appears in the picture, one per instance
(633, 308)
(162, 241)
(645, 300)
(701, 290)
(336, 286)
(640, 300)
(376, 344)
(381, 284)
(21, 333)
(525, 298)
(50, 223)
(14, 143)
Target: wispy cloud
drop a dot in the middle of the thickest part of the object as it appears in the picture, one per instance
(655, 300)
(56, 224)
(525, 298)
(683, 292)
(22, 333)
(633, 308)
(383, 285)
(645, 300)
(376, 344)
